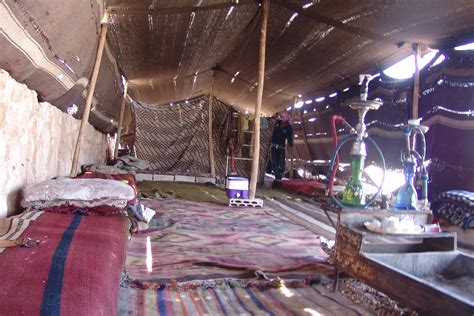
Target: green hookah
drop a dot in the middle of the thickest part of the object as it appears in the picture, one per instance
(354, 195)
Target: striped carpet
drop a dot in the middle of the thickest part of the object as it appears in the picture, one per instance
(231, 299)
(307, 214)
(310, 300)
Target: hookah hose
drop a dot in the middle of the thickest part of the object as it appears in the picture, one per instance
(335, 118)
(333, 162)
(424, 172)
(421, 159)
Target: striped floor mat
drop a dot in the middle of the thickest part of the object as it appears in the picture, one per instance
(307, 214)
(310, 300)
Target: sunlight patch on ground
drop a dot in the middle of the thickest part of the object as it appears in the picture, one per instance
(312, 312)
(149, 256)
(285, 291)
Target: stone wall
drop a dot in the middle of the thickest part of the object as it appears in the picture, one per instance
(37, 142)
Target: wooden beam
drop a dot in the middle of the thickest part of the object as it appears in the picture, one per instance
(261, 79)
(212, 162)
(416, 82)
(312, 14)
(179, 10)
(120, 123)
(90, 93)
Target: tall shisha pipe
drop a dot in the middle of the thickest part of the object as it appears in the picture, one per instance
(412, 159)
(354, 194)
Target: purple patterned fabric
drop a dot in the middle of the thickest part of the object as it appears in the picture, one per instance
(191, 241)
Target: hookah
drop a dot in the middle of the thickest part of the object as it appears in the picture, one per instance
(407, 197)
(354, 195)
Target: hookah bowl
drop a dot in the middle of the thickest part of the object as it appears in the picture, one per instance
(354, 194)
(407, 198)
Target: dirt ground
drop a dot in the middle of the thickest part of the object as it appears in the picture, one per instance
(200, 192)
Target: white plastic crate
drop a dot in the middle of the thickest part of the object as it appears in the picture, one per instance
(246, 202)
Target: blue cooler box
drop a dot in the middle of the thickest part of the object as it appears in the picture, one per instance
(237, 188)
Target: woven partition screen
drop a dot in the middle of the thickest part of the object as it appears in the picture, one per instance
(174, 138)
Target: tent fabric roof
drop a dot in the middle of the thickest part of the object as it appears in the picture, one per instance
(51, 46)
(168, 50)
(174, 50)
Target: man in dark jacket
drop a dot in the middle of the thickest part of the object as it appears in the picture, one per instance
(282, 132)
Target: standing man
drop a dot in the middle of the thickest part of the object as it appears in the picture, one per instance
(282, 132)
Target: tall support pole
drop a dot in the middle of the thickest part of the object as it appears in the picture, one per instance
(256, 125)
(120, 123)
(90, 93)
(212, 162)
(416, 83)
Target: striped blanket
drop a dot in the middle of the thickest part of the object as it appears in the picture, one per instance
(456, 207)
(310, 300)
(195, 242)
(13, 227)
(75, 270)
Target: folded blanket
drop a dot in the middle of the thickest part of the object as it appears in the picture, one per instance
(131, 163)
(126, 178)
(78, 192)
(74, 271)
(300, 186)
(456, 207)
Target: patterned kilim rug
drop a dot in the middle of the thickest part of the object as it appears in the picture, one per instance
(190, 244)
(310, 300)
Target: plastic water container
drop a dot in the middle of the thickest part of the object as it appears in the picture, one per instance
(237, 188)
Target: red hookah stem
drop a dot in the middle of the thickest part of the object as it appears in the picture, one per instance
(334, 118)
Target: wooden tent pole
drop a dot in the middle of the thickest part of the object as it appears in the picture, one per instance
(212, 162)
(120, 123)
(256, 125)
(416, 84)
(90, 93)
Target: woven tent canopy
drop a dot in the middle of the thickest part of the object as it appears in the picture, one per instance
(174, 50)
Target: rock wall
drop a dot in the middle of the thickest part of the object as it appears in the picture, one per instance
(37, 142)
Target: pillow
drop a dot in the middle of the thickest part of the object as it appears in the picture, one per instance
(78, 192)
(455, 206)
(126, 178)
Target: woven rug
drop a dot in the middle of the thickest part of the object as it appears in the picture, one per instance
(310, 300)
(197, 242)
